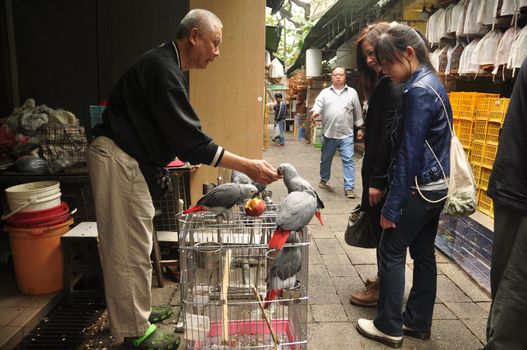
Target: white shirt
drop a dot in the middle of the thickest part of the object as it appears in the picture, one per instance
(340, 111)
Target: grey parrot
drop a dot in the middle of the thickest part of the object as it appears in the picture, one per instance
(241, 178)
(294, 213)
(283, 273)
(222, 198)
(294, 182)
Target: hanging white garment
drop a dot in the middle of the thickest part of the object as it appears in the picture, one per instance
(461, 12)
(471, 27)
(485, 51)
(518, 50)
(431, 29)
(504, 48)
(509, 8)
(465, 62)
(448, 19)
(440, 31)
(487, 12)
(434, 57)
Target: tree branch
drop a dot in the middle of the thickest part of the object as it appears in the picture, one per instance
(288, 15)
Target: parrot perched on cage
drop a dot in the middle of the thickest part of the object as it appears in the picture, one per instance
(295, 212)
(241, 178)
(222, 198)
(294, 182)
(283, 273)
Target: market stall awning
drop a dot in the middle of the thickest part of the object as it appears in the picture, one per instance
(277, 87)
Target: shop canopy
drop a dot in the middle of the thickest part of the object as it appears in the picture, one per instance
(343, 20)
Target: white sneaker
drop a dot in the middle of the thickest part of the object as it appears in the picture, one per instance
(367, 328)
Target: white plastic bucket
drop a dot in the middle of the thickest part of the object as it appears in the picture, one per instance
(33, 196)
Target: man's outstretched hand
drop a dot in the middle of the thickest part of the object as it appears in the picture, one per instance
(261, 171)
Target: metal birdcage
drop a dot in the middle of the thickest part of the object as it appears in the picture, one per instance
(224, 269)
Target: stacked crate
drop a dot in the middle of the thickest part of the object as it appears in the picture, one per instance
(489, 117)
(478, 118)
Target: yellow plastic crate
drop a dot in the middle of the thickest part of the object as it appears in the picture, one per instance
(484, 179)
(498, 109)
(485, 203)
(493, 133)
(455, 125)
(489, 155)
(453, 97)
(477, 150)
(476, 170)
(491, 109)
(467, 104)
(465, 132)
(479, 133)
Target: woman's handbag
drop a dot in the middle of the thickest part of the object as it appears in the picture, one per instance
(359, 232)
(461, 197)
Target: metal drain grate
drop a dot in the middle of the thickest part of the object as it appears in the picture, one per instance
(63, 327)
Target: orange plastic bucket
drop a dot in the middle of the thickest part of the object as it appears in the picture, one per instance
(38, 258)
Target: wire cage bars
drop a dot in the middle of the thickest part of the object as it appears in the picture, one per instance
(225, 269)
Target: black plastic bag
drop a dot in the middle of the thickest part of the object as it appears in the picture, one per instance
(359, 232)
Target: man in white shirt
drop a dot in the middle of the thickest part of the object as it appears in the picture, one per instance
(339, 109)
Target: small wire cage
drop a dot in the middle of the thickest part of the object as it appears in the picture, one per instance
(224, 271)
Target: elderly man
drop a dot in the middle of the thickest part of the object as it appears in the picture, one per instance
(149, 120)
(339, 108)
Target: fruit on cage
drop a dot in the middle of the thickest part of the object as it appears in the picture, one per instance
(254, 207)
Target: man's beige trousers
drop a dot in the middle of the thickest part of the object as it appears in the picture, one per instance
(124, 211)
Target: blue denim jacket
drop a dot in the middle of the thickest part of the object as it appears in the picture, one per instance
(420, 117)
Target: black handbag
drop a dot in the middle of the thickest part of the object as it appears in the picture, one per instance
(359, 232)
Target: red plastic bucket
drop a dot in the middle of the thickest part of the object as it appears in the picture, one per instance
(40, 218)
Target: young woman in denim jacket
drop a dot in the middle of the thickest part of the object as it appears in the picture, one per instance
(384, 97)
(417, 189)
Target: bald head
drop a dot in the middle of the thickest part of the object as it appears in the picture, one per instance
(338, 77)
(201, 19)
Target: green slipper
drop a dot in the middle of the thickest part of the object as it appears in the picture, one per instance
(159, 313)
(153, 339)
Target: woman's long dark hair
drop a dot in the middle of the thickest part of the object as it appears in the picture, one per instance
(392, 44)
(370, 34)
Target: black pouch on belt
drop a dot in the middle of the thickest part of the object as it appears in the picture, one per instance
(157, 178)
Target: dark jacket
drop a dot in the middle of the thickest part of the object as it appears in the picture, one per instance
(149, 116)
(508, 180)
(279, 111)
(421, 117)
(384, 100)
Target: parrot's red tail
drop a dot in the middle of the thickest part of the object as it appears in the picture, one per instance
(270, 296)
(319, 217)
(194, 209)
(278, 239)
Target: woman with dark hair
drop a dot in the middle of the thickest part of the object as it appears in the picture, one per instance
(383, 99)
(418, 184)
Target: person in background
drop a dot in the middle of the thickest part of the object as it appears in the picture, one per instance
(383, 97)
(339, 109)
(508, 190)
(279, 119)
(418, 185)
(149, 121)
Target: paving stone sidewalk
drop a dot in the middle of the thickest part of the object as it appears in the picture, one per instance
(336, 269)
